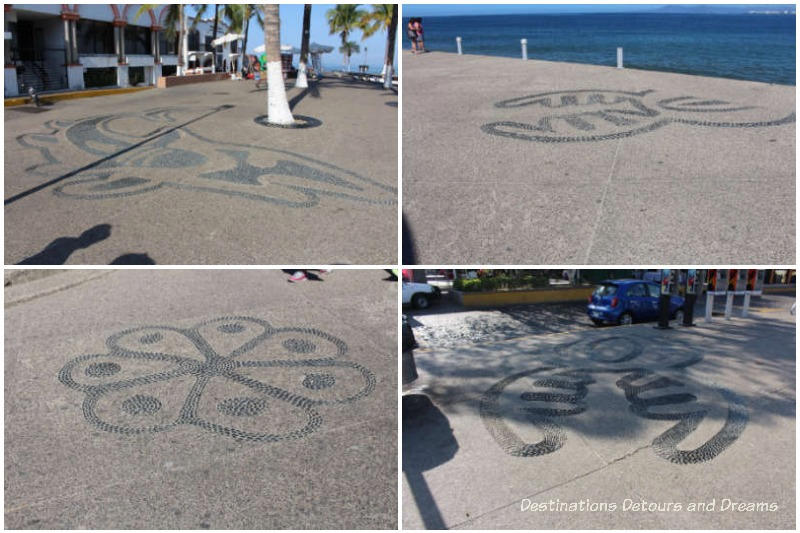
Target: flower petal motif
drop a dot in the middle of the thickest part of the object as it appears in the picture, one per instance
(235, 376)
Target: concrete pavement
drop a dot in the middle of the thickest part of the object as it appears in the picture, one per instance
(506, 161)
(614, 426)
(188, 175)
(185, 399)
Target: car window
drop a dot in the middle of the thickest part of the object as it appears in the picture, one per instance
(636, 290)
(605, 290)
(653, 290)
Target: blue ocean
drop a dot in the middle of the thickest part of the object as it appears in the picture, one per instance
(747, 47)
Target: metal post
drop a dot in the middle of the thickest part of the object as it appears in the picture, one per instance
(458, 45)
(688, 312)
(619, 57)
(746, 306)
(663, 311)
(709, 306)
(524, 49)
(729, 306)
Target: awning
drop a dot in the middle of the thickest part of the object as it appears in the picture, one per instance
(227, 38)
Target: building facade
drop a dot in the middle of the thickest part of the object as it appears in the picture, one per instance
(77, 46)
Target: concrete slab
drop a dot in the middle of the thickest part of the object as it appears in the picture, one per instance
(187, 176)
(154, 427)
(606, 416)
(507, 161)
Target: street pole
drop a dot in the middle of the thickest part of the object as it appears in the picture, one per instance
(664, 300)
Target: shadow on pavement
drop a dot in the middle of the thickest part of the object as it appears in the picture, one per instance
(133, 259)
(58, 251)
(428, 442)
(409, 250)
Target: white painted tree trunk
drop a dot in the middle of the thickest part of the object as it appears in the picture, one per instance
(278, 111)
(277, 105)
(387, 76)
(302, 76)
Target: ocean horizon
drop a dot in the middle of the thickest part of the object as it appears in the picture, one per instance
(747, 47)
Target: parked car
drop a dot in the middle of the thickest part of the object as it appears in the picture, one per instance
(625, 301)
(419, 295)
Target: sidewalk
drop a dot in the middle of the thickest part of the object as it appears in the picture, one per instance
(91, 438)
(506, 161)
(546, 418)
(187, 176)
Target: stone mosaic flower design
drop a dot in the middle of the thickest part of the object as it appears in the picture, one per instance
(239, 377)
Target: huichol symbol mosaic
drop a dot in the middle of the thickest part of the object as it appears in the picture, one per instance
(545, 396)
(596, 115)
(169, 148)
(239, 377)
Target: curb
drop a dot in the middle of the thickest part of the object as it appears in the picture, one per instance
(54, 97)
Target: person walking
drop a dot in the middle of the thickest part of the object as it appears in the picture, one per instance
(412, 34)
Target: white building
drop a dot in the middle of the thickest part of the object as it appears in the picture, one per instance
(77, 46)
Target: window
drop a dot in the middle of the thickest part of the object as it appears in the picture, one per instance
(606, 290)
(137, 40)
(654, 290)
(194, 41)
(167, 46)
(637, 291)
(95, 37)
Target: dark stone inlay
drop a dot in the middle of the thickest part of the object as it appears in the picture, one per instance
(620, 110)
(299, 345)
(213, 367)
(319, 381)
(151, 338)
(103, 369)
(300, 122)
(141, 404)
(569, 396)
(231, 328)
(242, 406)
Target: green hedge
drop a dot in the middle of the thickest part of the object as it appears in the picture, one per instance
(501, 282)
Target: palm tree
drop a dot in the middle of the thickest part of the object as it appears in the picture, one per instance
(278, 111)
(302, 77)
(347, 49)
(249, 11)
(174, 15)
(382, 17)
(373, 21)
(342, 19)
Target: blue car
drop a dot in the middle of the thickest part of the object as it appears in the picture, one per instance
(625, 301)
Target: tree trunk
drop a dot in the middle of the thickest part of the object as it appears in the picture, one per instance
(302, 77)
(216, 20)
(278, 111)
(182, 41)
(388, 61)
(246, 30)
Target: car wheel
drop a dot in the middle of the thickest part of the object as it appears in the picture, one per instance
(625, 319)
(679, 316)
(420, 301)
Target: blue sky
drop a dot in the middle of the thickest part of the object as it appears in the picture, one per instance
(292, 29)
(412, 10)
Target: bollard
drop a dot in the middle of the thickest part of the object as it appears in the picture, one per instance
(729, 306)
(458, 44)
(524, 49)
(746, 307)
(688, 312)
(619, 57)
(709, 306)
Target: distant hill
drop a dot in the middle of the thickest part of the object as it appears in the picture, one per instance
(715, 9)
